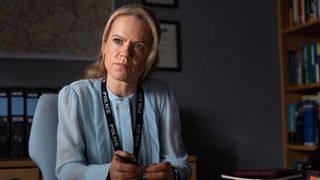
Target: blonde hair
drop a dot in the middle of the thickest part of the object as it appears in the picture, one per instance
(98, 70)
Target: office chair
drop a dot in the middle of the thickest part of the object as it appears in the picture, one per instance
(43, 135)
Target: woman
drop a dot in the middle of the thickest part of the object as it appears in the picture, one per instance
(117, 123)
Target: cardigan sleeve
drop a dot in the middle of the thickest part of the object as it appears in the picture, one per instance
(71, 160)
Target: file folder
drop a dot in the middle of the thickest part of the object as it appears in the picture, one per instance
(4, 124)
(17, 123)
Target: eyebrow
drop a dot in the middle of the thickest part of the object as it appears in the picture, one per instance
(119, 36)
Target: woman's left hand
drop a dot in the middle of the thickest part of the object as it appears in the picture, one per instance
(159, 171)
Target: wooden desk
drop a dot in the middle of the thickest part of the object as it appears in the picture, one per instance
(25, 169)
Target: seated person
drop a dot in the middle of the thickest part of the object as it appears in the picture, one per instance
(117, 123)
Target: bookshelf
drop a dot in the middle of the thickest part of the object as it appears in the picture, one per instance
(294, 35)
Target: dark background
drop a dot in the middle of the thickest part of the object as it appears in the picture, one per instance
(228, 86)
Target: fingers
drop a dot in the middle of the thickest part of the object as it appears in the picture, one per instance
(127, 160)
(122, 170)
(125, 154)
(159, 171)
(122, 175)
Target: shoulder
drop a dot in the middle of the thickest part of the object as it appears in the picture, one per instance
(85, 84)
(156, 86)
(82, 87)
(159, 90)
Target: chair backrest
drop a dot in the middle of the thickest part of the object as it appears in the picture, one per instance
(43, 135)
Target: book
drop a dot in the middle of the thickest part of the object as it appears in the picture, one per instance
(315, 58)
(295, 12)
(286, 177)
(4, 124)
(309, 123)
(302, 13)
(313, 175)
(293, 63)
(264, 174)
(292, 123)
(300, 123)
(315, 98)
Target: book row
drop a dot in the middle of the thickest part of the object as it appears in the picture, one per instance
(301, 11)
(17, 107)
(304, 121)
(304, 66)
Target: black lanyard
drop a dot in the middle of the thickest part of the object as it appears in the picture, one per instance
(110, 120)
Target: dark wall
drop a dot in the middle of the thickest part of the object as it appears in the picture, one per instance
(40, 73)
(228, 88)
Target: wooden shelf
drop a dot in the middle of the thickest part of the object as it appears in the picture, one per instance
(301, 148)
(304, 87)
(293, 38)
(309, 28)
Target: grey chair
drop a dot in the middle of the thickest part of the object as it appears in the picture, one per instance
(43, 135)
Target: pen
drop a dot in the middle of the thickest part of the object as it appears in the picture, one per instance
(127, 160)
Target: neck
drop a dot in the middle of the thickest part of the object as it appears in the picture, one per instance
(121, 88)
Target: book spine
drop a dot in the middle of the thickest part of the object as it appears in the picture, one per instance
(312, 63)
(318, 8)
(316, 60)
(300, 68)
(291, 13)
(292, 123)
(309, 123)
(302, 11)
(295, 7)
(312, 10)
(317, 123)
(307, 9)
(292, 67)
(309, 65)
(300, 123)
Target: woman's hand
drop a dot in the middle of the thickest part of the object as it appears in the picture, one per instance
(121, 170)
(159, 171)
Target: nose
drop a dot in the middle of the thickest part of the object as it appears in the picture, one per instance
(125, 51)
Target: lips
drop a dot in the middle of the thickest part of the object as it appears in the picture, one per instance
(121, 65)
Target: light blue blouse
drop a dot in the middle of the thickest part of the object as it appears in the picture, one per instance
(85, 150)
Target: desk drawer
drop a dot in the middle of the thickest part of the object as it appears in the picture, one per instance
(20, 174)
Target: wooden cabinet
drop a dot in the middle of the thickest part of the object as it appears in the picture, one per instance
(23, 169)
(292, 37)
(192, 160)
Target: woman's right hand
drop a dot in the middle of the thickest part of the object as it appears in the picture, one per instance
(121, 170)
